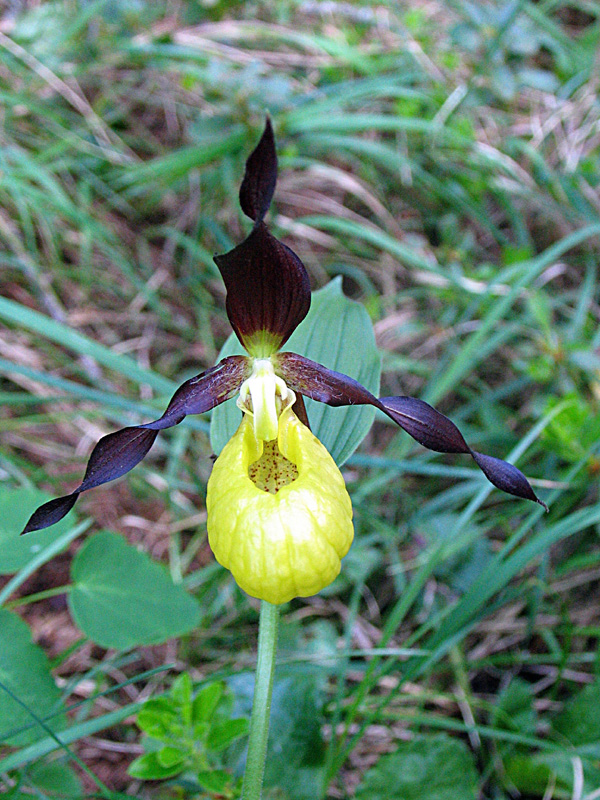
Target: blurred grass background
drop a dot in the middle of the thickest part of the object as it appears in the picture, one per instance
(442, 156)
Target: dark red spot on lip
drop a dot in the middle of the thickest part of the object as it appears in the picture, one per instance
(272, 471)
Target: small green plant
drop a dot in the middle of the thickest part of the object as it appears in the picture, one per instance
(185, 736)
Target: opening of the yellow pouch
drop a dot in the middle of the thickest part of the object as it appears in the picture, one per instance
(273, 470)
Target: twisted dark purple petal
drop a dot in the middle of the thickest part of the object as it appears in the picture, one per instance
(505, 476)
(119, 452)
(299, 409)
(430, 428)
(319, 383)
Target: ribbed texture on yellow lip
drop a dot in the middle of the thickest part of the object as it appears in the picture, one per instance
(283, 545)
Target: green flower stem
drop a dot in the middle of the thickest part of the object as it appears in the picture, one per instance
(261, 705)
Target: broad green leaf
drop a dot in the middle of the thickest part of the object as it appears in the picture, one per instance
(532, 774)
(579, 721)
(148, 768)
(25, 673)
(426, 768)
(16, 506)
(514, 710)
(51, 779)
(527, 774)
(337, 332)
(121, 598)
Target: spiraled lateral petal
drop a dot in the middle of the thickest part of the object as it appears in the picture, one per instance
(258, 186)
(420, 420)
(506, 477)
(425, 424)
(319, 383)
(119, 452)
(268, 291)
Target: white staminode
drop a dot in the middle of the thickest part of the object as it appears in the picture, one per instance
(264, 395)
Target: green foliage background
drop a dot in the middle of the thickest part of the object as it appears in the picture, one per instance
(442, 158)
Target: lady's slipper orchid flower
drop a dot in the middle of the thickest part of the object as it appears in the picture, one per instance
(279, 516)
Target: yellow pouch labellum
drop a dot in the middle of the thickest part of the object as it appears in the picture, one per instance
(279, 515)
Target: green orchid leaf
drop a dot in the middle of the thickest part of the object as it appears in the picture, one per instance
(337, 333)
(28, 693)
(122, 599)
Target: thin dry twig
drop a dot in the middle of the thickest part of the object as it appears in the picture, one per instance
(104, 135)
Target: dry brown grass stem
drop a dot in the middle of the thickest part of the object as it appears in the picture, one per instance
(106, 138)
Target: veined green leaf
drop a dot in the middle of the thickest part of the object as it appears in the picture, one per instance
(27, 689)
(121, 598)
(426, 768)
(15, 550)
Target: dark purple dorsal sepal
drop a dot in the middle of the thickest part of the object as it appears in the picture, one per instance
(119, 452)
(268, 290)
(258, 186)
